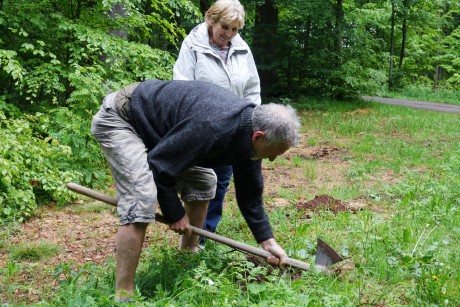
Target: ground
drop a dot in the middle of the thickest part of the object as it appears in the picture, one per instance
(89, 235)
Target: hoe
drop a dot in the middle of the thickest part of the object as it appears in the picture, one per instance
(325, 255)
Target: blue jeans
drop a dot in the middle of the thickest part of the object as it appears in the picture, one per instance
(224, 173)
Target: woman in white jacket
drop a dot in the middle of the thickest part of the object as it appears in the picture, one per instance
(215, 52)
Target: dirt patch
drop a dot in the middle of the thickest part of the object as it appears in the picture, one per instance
(82, 237)
(324, 151)
(316, 168)
(325, 203)
(313, 152)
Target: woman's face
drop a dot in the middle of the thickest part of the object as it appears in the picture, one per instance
(221, 33)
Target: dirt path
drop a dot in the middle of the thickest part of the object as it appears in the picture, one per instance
(431, 106)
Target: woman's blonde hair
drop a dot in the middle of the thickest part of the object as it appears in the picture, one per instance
(226, 11)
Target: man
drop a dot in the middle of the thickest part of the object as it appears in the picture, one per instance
(162, 137)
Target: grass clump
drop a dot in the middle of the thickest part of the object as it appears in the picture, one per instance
(33, 251)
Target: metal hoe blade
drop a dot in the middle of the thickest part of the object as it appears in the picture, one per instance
(325, 255)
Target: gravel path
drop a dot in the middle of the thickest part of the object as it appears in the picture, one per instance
(432, 106)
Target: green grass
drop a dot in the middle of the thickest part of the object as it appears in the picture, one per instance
(407, 253)
(33, 251)
(426, 94)
(91, 207)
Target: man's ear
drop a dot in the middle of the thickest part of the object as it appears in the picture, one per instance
(257, 135)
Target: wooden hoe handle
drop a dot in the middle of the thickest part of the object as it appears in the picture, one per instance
(212, 236)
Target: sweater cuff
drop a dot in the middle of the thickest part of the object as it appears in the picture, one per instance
(172, 209)
(263, 234)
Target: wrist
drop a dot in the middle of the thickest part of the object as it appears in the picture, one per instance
(267, 243)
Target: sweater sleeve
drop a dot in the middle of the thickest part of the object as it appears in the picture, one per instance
(171, 156)
(248, 181)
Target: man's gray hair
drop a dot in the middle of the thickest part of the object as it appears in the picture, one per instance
(280, 123)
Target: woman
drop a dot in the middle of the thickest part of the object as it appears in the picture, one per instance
(215, 52)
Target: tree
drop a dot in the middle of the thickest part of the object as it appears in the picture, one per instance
(204, 6)
(265, 51)
(338, 28)
(392, 45)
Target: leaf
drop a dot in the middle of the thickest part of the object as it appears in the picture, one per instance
(406, 235)
(256, 288)
(406, 259)
(28, 46)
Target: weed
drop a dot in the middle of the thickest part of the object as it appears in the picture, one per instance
(33, 251)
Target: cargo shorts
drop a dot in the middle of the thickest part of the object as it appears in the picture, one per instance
(127, 156)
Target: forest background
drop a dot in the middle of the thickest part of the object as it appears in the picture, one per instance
(59, 58)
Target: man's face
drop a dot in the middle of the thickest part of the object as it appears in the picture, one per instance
(264, 150)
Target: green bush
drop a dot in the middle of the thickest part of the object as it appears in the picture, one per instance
(30, 166)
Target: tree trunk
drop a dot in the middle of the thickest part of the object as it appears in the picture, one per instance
(119, 10)
(438, 76)
(265, 48)
(392, 46)
(303, 71)
(204, 6)
(439, 73)
(338, 32)
(403, 42)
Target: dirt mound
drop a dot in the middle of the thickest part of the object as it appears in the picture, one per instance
(323, 203)
(313, 152)
(324, 151)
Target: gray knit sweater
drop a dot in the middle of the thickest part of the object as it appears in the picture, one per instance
(188, 123)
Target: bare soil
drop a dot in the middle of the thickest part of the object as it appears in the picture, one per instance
(322, 203)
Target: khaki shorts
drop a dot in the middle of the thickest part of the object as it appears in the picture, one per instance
(127, 157)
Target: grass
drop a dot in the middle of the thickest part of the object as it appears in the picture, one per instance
(426, 94)
(91, 207)
(33, 251)
(402, 161)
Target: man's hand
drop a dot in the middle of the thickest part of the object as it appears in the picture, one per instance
(182, 226)
(279, 253)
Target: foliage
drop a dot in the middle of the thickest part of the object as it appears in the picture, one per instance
(311, 61)
(31, 166)
(58, 59)
(171, 279)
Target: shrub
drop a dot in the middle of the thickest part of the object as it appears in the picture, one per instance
(30, 166)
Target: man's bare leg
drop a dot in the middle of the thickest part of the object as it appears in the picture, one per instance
(128, 243)
(196, 212)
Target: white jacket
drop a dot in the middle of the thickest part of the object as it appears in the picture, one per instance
(198, 61)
